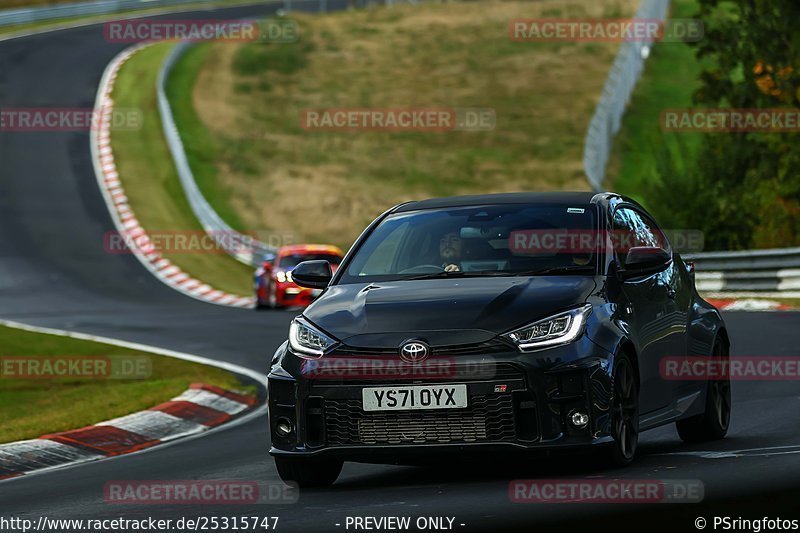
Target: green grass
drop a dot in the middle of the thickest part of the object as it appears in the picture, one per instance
(30, 408)
(151, 182)
(251, 60)
(202, 149)
(670, 78)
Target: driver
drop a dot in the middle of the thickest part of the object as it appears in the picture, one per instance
(450, 249)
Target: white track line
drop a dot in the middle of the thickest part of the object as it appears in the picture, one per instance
(230, 367)
(746, 452)
(257, 411)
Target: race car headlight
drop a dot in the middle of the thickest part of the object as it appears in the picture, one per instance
(280, 276)
(306, 340)
(562, 328)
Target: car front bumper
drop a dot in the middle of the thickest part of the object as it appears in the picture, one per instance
(516, 401)
(290, 294)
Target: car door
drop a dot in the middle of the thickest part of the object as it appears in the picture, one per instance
(648, 305)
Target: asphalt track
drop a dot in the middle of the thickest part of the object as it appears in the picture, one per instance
(54, 272)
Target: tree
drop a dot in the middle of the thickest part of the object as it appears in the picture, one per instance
(747, 185)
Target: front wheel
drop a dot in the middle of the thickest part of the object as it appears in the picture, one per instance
(624, 413)
(308, 473)
(272, 290)
(260, 304)
(713, 423)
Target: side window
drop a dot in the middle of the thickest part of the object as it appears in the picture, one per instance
(380, 260)
(660, 239)
(633, 229)
(623, 233)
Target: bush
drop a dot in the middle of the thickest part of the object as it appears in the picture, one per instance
(736, 188)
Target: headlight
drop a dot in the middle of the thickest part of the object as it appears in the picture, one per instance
(289, 275)
(307, 340)
(562, 328)
(280, 276)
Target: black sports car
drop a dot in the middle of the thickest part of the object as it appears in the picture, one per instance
(494, 323)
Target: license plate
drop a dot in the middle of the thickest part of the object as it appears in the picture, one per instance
(414, 397)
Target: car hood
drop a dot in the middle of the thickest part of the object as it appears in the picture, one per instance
(443, 311)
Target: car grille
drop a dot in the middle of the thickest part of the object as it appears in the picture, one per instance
(502, 372)
(487, 419)
(481, 348)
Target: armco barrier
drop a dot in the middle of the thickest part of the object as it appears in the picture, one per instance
(622, 78)
(242, 247)
(775, 272)
(9, 17)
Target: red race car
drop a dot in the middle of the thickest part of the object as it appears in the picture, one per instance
(273, 279)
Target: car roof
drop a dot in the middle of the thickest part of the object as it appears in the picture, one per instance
(305, 248)
(506, 198)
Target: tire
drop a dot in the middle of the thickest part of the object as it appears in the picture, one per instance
(272, 292)
(713, 423)
(260, 305)
(624, 413)
(308, 473)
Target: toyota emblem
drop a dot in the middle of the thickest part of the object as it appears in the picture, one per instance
(414, 352)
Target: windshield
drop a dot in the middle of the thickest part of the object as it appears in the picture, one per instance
(291, 261)
(496, 240)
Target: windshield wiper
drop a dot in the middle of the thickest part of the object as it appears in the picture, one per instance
(568, 269)
(462, 274)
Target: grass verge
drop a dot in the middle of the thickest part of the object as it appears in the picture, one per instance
(151, 183)
(30, 408)
(670, 78)
(202, 149)
(262, 169)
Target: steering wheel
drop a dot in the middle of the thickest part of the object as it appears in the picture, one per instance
(422, 269)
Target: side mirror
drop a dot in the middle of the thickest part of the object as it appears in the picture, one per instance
(643, 260)
(312, 274)
(690, 268)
